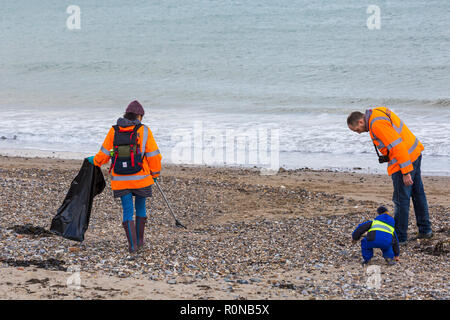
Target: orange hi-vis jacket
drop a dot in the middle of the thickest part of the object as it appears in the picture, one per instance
(151, 165)
(393, 138)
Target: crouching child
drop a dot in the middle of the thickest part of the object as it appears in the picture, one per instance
(380, 234)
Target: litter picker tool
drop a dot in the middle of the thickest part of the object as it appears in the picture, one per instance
(177, 223)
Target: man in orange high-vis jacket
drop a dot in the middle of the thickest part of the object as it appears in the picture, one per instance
(146, 161)
(403, 152)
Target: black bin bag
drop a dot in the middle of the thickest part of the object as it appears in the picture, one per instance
(72, 218)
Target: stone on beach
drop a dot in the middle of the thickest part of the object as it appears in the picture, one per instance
(240, 232)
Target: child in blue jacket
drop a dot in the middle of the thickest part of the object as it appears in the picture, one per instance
(380, 234)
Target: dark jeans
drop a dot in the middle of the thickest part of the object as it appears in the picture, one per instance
(401, 199)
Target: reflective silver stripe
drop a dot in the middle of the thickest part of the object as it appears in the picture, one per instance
(416, 142)
(380, 226)
(394, 143)
(156, 172)
(144, 140)
(102, 149)
(398, 129)
(393, 161)
(378, 118)
(128, 178)
(380, 143)
(153, 153)
(405, 164)
(402, 165)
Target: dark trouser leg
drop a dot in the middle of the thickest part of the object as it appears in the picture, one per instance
(401, 199)
(419, 200)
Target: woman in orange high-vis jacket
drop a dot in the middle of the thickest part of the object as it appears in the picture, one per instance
(137, 184)
(403, 150)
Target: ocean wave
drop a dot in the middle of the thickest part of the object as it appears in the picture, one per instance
(69, 66)
(321, 105)
(320, 144)
(441, 102)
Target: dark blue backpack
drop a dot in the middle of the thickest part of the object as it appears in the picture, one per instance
(127, 157)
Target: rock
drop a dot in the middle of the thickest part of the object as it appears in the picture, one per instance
(229, 289)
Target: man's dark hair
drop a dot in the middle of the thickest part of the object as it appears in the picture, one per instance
(130, 116)
(354, 117)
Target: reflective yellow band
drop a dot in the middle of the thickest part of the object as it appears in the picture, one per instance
(381, 226)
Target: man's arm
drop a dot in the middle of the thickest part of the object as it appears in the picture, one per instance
(395, 145)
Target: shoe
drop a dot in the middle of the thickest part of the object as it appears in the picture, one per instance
(130, 231)
(365, 262)
(428, 235)
(140, 228)
(390, 262)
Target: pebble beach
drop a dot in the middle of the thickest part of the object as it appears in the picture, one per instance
(248, 236)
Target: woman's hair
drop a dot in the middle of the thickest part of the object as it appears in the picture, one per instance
(130, 116)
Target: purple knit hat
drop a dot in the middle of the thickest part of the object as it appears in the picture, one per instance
(135, 107)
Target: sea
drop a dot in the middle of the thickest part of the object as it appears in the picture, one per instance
(253, 83)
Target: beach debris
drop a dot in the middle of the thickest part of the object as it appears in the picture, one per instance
(239, 239)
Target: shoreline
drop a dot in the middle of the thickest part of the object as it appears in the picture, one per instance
(69, 155)
(379, 189)
(249, 236)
